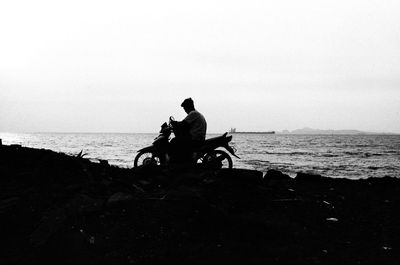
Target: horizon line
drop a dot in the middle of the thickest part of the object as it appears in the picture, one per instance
(212, 132)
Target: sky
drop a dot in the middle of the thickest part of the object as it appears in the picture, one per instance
(125, 66)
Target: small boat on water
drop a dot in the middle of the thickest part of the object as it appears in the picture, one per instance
(233, 131)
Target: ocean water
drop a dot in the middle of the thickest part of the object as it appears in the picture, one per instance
(348, 156)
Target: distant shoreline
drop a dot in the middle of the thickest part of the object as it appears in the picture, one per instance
(319, 133)
(311, 131)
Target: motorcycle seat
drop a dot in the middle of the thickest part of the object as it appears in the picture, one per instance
(212, 142)
(215, 139)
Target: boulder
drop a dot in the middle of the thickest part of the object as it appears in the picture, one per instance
(240, 175)
(308, 177)
(118, 199)
(275, 177)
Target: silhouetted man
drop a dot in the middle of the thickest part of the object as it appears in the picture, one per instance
(190, 132)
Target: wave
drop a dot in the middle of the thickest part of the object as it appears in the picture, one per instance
(288, 153)
(362, 154)
(330, 155)
(373, 154)
(352, 153)
(319, 154)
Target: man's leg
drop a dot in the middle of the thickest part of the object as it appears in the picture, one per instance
(180, 149)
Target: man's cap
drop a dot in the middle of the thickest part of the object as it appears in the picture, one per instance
(187, 102)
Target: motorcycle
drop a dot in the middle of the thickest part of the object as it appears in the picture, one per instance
(206, 154)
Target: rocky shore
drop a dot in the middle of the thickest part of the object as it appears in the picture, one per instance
(60, 209)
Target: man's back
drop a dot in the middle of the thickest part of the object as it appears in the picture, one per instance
(197, 125)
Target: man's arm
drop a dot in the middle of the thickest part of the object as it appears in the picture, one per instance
(180, 128)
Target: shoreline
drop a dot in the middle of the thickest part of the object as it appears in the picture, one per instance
(64, 209)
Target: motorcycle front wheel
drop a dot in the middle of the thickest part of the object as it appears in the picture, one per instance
(217, 159)
(146, 159)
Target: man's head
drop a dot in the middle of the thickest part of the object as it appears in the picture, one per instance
(188, 105)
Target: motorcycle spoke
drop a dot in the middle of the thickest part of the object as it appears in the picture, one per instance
(146, 159)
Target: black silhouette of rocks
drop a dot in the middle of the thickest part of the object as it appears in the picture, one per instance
(307, 177)
(60, 209)
(276, 178)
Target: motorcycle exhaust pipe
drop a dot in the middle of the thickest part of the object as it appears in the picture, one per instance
(231, 150)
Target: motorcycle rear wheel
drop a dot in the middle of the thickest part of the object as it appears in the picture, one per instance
(217, 159)
(146, 159)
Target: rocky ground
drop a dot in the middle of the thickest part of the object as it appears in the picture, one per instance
(61, 209)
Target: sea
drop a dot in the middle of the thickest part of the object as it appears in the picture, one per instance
(336, 156)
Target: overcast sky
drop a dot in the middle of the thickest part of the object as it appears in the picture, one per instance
(125, 66)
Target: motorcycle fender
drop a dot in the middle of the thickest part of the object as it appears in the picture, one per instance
(147, 149)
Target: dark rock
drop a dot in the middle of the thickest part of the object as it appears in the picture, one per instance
(8, 203)
(118, 199)
(84, 204)
(308, 177)
(53, 213)
(103, 162)
(245, 176)
(276, 178)
(50, 224)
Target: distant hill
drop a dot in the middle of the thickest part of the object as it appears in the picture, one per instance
(317, 131)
